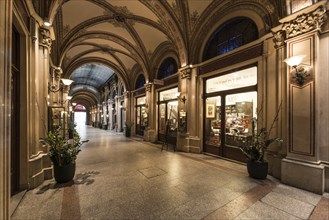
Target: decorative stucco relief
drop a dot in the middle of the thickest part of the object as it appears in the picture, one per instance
(186, 73)
(301, 24)
(45, 38)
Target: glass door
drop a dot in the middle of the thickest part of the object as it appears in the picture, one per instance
(168, 116)
(229, 109)
(141, 115)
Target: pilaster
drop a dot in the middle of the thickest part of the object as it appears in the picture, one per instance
(5, 109)
(300, 34)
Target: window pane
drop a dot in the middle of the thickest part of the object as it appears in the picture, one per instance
(239, 79)
(162, 118)
(213, 122)
(240, 109)
(169, 94)
(172, 115)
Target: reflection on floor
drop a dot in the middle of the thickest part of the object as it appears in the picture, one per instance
(120, 178)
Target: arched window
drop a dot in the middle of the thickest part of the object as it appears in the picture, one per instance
(229, 36)
(140, 81)
(122, 90)
(167, 68)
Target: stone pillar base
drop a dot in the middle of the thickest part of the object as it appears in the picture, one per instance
(303, 175)
(190, 145)
(40, 169)
(274, 164)
(150, 135)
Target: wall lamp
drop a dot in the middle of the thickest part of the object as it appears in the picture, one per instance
(55, 88)
(184, 99)
(300, 72)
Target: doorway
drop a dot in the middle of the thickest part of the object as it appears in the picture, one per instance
(80, 118)
(15, 112)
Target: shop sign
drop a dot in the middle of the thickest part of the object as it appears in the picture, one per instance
(239, 79)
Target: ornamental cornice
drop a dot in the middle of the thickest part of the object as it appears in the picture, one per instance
(148, 87)
(303, 23)
(45, 38)
(185, 73)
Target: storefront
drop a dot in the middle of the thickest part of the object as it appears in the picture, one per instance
(141, 115)
(230, 112)
(168, 116)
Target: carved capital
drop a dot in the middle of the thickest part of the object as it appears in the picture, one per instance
(148, 86)
(305, 23)
(278, 39)
(186, 73)
(45, 39)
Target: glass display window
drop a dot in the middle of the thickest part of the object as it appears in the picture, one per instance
(240, 111)
(213, 121)
(141, 115)
(230, 108)
(168, 116)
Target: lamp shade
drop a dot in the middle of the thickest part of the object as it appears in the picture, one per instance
(67, 82)
(295, 60)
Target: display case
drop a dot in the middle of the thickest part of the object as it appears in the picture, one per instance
(56, 118)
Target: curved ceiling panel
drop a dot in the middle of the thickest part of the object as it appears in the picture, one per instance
(108, 27)
(133, 7)
(94, 75)
(77, 50)
(150, 36)
(107, 44)
(102, 55)
(76, 12)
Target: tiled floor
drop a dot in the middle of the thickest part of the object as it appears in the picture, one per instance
(119, 178)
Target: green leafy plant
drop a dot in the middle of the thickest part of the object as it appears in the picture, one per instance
(61, 151)
(255, 146)
(128, 126)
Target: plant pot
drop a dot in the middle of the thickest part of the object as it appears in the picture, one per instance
(127, 133)
(64, 173)
(257, 170)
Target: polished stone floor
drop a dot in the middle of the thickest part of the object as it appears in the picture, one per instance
(120, 178)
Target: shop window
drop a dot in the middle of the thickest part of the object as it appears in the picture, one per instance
(140, 82)
(230, 110)
(231, 35)
(240, 112)
(167, 68)
(168, 116)
(213, 121)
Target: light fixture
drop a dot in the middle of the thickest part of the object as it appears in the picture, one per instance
(74, 103)
(69, 97)
(46, 22)
(181, 99)
(55, 88)
(300, 72)
(67, 82)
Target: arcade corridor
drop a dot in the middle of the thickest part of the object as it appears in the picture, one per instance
(120, 178)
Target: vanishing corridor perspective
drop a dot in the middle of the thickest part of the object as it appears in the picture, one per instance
(194, 109)
(120, 178)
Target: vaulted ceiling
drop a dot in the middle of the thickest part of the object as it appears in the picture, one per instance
(129, 37)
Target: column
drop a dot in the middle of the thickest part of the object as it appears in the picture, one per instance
(151, 102)
(188, 139)
(5, 122)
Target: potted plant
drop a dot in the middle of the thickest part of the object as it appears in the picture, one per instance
(128, 126)
(63, 153)
(255, 147)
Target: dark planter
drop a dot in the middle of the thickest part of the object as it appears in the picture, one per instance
(127, 133)
(257, 170)
(71, 134)
(65, 173)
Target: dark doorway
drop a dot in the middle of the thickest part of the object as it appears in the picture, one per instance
(15, 119)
